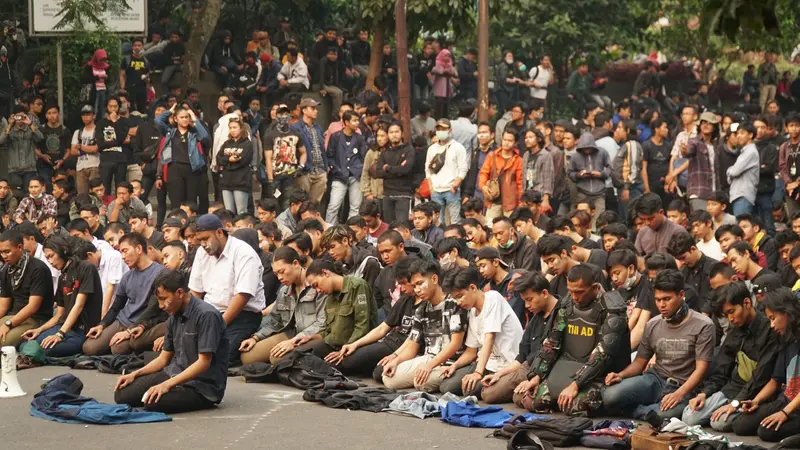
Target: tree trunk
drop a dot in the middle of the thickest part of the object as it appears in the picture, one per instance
(403, 86)
(376, 58)
(203, 25)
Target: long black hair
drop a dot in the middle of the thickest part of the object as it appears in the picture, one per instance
(784, 301)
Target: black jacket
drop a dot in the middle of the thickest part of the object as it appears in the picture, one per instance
(768, 151)
(760, 344)
(145, 147)
(768, 247)
(522, 254)
(361, 53)
(470, 185)
(698, 278)
(236, 176)
(398, 177)
(372, 268)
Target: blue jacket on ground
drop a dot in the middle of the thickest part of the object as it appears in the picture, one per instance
(466, 414)
(61, 401)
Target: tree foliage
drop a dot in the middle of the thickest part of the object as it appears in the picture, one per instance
(77, 14)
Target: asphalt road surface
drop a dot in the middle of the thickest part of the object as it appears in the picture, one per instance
(251, 416)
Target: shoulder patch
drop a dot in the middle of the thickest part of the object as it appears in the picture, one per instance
(613, 301)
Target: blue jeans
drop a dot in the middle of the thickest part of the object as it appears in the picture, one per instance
(71, 345)
(453, 200)
(235, 201)
(741, 206)
(763, 210)
(703, 415)
(100, 104)
(338, 189)
(636, 191)
(636, 396)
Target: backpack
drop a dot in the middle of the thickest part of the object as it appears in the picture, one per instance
(561, 431)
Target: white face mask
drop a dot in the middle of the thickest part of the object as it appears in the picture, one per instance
(443, 135)
(447, 262)
(509, 60)
(630, 282)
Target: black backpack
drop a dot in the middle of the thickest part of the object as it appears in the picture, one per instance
(561, 431)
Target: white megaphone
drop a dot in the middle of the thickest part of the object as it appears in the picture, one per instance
(9, 385)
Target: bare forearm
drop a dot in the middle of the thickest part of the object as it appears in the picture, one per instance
(701, 367)
(74, 313)
(155, 365)
(373, 336)
(237, 304)
(635, 368)
(485, 353)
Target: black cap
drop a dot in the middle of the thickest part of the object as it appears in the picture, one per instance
(490, 253)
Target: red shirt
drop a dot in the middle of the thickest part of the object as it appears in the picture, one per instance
(384, 227)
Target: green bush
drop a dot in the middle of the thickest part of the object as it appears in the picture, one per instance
(77, 50)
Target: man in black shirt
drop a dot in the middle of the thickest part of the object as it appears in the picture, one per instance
(191, 371)
(79, 300)
(503, 385)
(173, 54)
(52, 150)
(110, 134)
(634, 289)
(743, 260)
(655, 158)
(695, 267)
(133, 74)
(555, 252)
(369, 354)
(26, 290)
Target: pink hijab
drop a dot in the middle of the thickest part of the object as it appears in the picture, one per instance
(95, 61)
(444, 59)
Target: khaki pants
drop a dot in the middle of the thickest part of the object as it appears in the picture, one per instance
(503, 390)
(14, 337)
(767, 94)
(313, 183)
(495, 211)
(260, 352)
(404, 375)
(101, 345)
(82, 178)
(143, 343)
(134, 173)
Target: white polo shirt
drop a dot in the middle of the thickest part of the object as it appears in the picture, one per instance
(112, 266)
(238, 270)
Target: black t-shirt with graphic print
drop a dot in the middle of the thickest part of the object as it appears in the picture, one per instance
(433, 326)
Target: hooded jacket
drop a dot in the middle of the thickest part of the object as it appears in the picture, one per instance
(236, 176)
(145, 146)
(596, 160)
(220, 51)
(398, 177)
(522, 254)
(363, 263)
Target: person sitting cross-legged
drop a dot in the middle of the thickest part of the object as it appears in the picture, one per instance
(438, 329)
(78, 298)
(369, 354)
(493, 334)
(192, 370)
(682, 341)
(503, 385)
(773, 413)
(743, 365)
(350, 310)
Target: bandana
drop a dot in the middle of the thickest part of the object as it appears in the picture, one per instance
(16, 271)
(679, 315)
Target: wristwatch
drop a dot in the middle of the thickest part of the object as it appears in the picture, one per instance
(8, 323)
(736, 404)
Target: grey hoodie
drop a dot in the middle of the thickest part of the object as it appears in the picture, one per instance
(596, 160)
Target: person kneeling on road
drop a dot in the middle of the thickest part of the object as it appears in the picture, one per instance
(192, 370)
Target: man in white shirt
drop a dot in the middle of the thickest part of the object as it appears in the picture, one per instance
(448, 171)
(703, 231)
(493, 334)
(30, 239)
(111, 268)
(294, 73)
(227, 274)
(540, 78)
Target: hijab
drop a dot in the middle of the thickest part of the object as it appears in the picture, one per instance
(96, 63)
(444, 59)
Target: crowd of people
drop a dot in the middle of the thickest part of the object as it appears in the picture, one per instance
(641, 259)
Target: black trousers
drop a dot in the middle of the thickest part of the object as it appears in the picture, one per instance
(396, 208)
(179, 399)
(364, 361)
(138, 98)
(116, 171)
(750, 424)
(241, 328)
(318, 348)
(184, 185)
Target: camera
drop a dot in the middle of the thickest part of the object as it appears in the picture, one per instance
(19, 117)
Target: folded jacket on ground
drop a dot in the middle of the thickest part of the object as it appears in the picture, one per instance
(60, 401)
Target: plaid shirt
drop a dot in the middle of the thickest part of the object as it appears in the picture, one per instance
(701, 169)
(27, 209)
